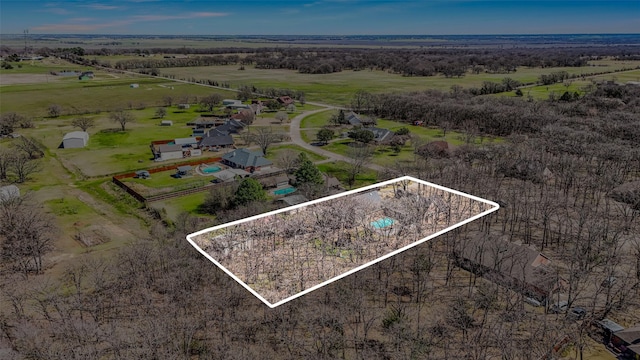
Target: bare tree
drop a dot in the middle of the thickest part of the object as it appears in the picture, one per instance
(161, 112)
(6, 161)
(9, 121)
(167, 100)
(287, 160)
(470, 131)
(362, 101)
(23, 166)
(247, 116)
(445, 126)
(281, 116)
(31, 147)
(27, 234)
(83, 123)
(54, 110)
(359, 157)
(121, 117)
(210, 102)
(264, 138)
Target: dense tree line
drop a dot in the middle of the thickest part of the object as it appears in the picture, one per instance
(615, 104)
(450, 62)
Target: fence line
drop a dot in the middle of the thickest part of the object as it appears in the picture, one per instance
(178, 193)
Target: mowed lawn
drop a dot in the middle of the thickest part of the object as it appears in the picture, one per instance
(274, 152)
(111, 150)
(162, 182)
(338, 169)
(385, 156)
(338, 88)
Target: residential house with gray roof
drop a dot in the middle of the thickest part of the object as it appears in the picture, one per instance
(246, 159)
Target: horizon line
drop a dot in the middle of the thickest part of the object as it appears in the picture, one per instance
(510, 34)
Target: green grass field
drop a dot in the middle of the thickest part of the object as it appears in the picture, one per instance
(316, 120)
(187, 203)
(338, 88)
(91, 96)
(275, 151)
(338, 170)
(162, 182)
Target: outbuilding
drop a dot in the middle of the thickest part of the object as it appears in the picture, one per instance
(75, 139)
(168, 152)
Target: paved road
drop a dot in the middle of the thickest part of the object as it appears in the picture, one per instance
(296, 138)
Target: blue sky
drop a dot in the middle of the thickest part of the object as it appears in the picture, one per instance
(324, 17)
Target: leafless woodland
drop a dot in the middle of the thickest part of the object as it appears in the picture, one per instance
(282, 254)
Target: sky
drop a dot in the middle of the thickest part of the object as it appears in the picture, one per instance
(323, 17)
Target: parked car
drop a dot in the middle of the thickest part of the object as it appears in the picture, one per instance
(578, 312)
(559, 307)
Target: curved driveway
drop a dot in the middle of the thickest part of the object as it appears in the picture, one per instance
(296, 138)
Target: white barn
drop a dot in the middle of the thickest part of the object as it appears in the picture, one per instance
(75, 139)
(169, 152)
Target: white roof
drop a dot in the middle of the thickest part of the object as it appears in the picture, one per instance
(9, 192)
(76, 135)
(186, 141)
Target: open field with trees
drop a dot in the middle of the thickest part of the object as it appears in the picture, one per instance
(336, 88)
(88, 272)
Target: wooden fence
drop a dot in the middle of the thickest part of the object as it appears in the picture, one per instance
(178, 193)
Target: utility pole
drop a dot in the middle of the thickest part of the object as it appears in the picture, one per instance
(26, 32)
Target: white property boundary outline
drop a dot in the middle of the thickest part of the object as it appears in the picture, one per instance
(356, 269)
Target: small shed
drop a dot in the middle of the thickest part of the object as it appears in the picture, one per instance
(9, 192)
(134, 86)
(166, 123)
(183, 106)
(168, 152)
(75, 139)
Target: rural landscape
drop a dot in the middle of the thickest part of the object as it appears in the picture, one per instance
(113, 148)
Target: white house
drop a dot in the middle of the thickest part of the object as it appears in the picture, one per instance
(75, 139)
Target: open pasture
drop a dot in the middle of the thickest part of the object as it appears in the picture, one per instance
(101, 94)
(338, 88)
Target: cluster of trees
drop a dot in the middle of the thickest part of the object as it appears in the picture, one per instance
(238, 194)
(27, 234)
(494, 116)
(20, 161)
(411, 62)
(158, 63)
(489, 87)
(408, 62)
(301, 248)
(11, 120)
